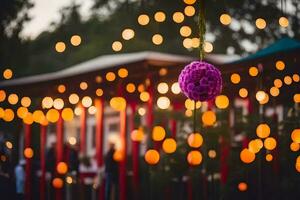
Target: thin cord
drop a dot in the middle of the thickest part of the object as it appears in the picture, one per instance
(195, 120)
(202, 28)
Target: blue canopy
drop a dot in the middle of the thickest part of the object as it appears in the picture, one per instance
(283, 45)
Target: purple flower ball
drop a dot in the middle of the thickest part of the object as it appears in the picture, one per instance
(200, 81)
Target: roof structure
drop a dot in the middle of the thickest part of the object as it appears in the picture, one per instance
(285, 45)
(114, 60)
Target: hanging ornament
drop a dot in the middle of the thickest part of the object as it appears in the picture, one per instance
(199, 80)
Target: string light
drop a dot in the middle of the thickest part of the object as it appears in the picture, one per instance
(7, 74)
(52, 115)
(209, 118)
(99, 92)
(187, 43)
(274, 91)
(75, 40)
(73, 98)
(280, 65)
(178, 17)
(185, 31)
(98, 79)
(72, 140)
(22, 112)
(13, 99)
(92, 110)
(189, 2)
(269, 157)
(260, 95)
(253, 71)
(28, 119)
(2, 95)
(195, 140)
(287, 80)
(123, 73)
(260, 23)
(67, 114)
(163, 72)
(169, 145)
(225, 19)
(158, 133)
(263, 130)
(190, 104)
(152, 157)
(243, 92)
(61, 88)
(270, 143)
(189, 11)
(160, 16)
(128, 34)
(26, 101)
(222, 101)
(283, 22)
(196, 43)
(110, 76)
(296, 78)
(130, 87)
(247, 156)
(144, 96)
(162, 88)
(175, 88)
(58, 103)
(235, 78)
(194, 158)
(208, 47)
(86, 101)
(60, 47)
(143, 19)
(117, 46)
(9, 115)
(277, 83)
(142, 111)
(83, 85)
(163, 102)
(157, 39)
(47, 102)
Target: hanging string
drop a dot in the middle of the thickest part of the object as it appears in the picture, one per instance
(202, 28)
(195, 119)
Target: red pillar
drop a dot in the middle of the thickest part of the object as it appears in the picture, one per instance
(150, 118)
(122, 170)
(59, 139)
(99, 139)
(59, 149)
(27, 144)
(135, 149)
(83, 130)
(43, 137)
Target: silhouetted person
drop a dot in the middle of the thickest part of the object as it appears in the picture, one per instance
(111, 173)
(20, 179)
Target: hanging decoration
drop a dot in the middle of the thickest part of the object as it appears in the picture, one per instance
(199, 80)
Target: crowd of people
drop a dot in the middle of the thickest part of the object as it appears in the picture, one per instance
(82, 181)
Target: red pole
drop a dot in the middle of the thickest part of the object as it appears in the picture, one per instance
(99, 132)
(83, 130)
(135, 149)
(43, 131)
(27, 144)
(99, 139)
(122, 169)
(60, 139)
(59, 149)
(150, 118)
